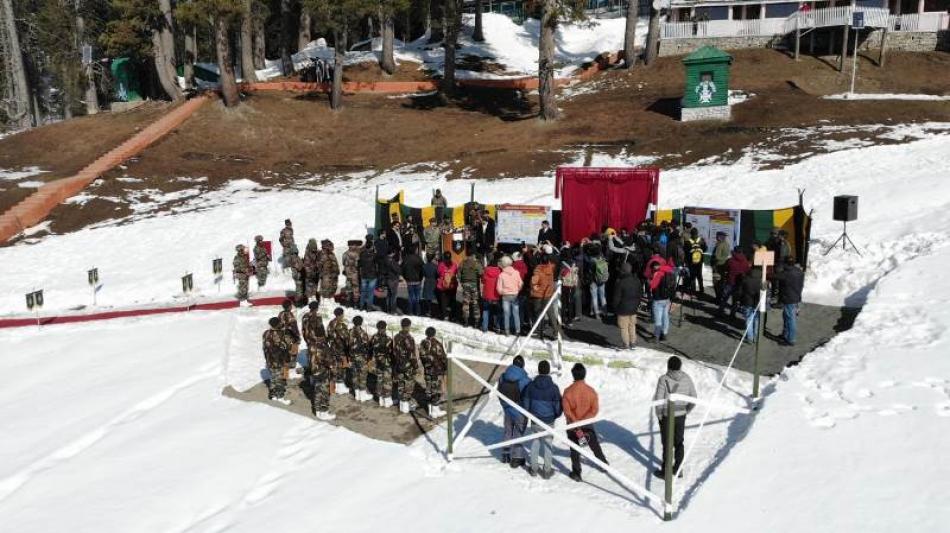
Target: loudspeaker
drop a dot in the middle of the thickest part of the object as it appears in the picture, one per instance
(846, 208)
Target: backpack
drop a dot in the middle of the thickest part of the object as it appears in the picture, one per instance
(695, 251)
(601, 271)
(510, 390)
(568, 275)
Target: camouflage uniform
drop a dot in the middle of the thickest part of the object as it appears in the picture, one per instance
(382, 347)
(359, 356)
(351, 270)
(329, 271)
(276, 354)
(433, 359)
(321, 365)
(242, 271)
(404, 359)
(288, 321)
(433, 238)
(286, 240)
(297, 272)
(338, 336)
(470, 272)
(311, 266)
(261, 263)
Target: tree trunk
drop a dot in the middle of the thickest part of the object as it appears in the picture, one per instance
(436, 20)
(169, 84)
(191, 55)
(20, 115)
(653, 38)
(304, 35)
(630, 35)
(167, 34)
(92, 95)
(449, 44)
(247, 44)
(477, 35)
(546, 66)
(260, 44)
(222, 42)
(339, 55)
(388, 61)
(286, 34)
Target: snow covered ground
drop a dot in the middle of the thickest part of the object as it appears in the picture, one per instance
(120, 426)
(886, 96)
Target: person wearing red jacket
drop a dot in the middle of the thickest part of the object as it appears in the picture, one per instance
(491, 304)
(447, 285)
(737, 266)
(580, 403)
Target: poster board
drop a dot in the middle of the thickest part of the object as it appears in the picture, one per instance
(709, 221)
(515, 224)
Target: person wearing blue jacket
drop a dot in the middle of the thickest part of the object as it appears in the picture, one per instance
(512, 385)
(542, 398)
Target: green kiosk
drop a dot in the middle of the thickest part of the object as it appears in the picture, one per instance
(707, 85)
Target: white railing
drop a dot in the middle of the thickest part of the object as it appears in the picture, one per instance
(919, 22)
(722, 28)
(874, 17)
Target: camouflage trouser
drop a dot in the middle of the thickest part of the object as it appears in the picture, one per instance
(261, 272)
(352, 290)
(242, 288)
(284, 258)
(278, 381)
(470, 301)
(359, 373)
(320, 378)
(339, 368)
(312, 287)
(433, 388)
(407, 384)
(298, 288)
(384, 382)
(327, 287)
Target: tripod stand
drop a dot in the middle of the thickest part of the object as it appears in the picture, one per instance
(844, 240)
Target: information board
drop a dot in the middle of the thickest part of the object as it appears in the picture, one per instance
(515, 224)
(709, 221)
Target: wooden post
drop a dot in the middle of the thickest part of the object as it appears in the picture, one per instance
(763, 258)
(449, 411)
(811, 42)
(798, 34)
(880, 59)
(844, 47)
(668, 461)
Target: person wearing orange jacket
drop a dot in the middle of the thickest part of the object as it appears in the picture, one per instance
(580, 403)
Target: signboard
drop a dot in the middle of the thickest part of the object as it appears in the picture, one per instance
(515, 224)
(711, 221)
(857, 21)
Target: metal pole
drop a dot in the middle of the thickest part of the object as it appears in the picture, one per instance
(472, 195)
(798, 34)
(757, 315)
(668, 461)
(449, 411)
(854, 64)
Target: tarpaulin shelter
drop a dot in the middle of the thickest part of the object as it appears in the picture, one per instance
(592, 197)
(385, 209)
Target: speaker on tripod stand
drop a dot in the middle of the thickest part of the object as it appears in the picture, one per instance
(845, 210)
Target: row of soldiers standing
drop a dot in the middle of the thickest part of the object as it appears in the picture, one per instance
(338, 354)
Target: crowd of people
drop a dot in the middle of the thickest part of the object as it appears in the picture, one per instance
(477, 282)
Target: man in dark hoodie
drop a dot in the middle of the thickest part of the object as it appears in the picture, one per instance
(626, 302)
(512, 385)
(542, 398)
(369, 273)
(413, 272)
(675, 381)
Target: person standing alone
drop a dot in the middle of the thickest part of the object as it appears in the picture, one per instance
(675, 381)
(626, 302)
(580, 403)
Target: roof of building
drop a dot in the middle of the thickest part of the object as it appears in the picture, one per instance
(707, 54)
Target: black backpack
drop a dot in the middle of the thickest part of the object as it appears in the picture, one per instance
(510, 390)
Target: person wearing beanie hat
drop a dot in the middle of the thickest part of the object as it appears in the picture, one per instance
(675, 381)
(542, 398)
(580, 402)
(511, 385)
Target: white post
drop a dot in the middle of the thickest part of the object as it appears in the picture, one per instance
(854, 64)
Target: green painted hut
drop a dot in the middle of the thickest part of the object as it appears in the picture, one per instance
(707, 85)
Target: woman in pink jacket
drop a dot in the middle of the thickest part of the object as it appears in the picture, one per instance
(509, 286)
(447, 285)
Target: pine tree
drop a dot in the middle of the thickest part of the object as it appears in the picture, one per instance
(388, 9)
(224, 16)
(630, 34)
(552, 13)
(15, 83)
(143, 28)
(339, 17)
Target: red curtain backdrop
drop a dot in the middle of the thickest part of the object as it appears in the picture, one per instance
(593, 197)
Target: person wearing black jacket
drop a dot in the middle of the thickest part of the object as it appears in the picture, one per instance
(546, 234)
(412, 272)
(749, 293)
(792, 280)
(369, 273)
(626, 301)
(389, 272)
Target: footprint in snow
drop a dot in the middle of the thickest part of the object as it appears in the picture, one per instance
(943, 409)
(823, 422)
(887, 383)
(864, 393)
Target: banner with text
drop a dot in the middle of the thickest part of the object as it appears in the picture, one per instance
(710, 221)
(520, 223)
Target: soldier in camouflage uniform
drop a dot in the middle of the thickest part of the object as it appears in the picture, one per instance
(321, 369)
(297, 272)
(288, 321)
(382, 347)
(329, 270)
(276, 355)
(434, 361)
(470, 273)
(351, 271)
(286, 240)
(242, 271)
(405, 363)
(338, 337)
(261, 261)
(433, 237)
(311, 267)
(360, 357)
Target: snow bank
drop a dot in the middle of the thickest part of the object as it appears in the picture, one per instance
(885, 96)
